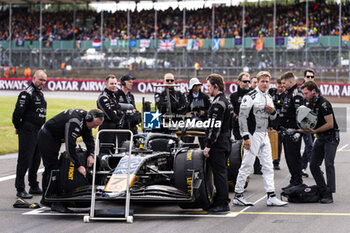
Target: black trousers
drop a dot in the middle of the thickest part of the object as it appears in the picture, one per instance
(49, 148)
(324, 150)
(293, 157)
(218, 156)
(28, 156)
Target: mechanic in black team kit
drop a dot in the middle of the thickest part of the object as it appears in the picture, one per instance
(130, 118)
(29, 115)
(218, 145)
(66, 127)
(291, 138)
(326, 143)
(108, 103)
(236, 99)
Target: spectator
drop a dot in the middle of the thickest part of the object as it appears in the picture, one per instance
(27, 72)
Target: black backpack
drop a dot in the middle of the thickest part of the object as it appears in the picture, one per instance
(302, 194)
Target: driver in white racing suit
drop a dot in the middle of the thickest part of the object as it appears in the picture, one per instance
(255, 110)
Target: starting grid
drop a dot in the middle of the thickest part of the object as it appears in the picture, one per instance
(45, 211)
(192, 214)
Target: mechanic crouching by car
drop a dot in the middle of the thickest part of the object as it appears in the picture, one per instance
(66, 127)
(218, 144)
(198, 104)
(325, 146)
(108, 103)
(256, 109)
(131, 117)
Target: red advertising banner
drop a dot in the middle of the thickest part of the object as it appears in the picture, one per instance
(145, 87)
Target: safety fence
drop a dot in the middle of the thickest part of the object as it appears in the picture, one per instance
(146, 87)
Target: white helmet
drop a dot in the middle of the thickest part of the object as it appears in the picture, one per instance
(306, 118)
(193, 81)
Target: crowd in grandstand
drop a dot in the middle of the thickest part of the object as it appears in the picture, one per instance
(291, 21)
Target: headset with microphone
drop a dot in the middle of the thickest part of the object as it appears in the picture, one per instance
(90, 117)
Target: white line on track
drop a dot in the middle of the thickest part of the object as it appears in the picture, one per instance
(343, 147)
(14, 176)
(43, 211)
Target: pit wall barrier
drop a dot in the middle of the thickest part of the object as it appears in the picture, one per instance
(147, 87)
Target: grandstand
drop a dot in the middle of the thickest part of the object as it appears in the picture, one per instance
(93, 43)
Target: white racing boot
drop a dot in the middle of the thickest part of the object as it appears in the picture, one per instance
(272, 200)
(240, 200)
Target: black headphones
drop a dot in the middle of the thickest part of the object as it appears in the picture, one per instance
(90, 117)
(127, 77)
(314, 99)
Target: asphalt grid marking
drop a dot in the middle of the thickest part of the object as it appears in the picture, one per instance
(343, 147)
(202, 214)
(14, 176)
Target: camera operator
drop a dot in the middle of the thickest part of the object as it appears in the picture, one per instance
(177, 99)
(325, 146)
(131, 118)
(198, 106)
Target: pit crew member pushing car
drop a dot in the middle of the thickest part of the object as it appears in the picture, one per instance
(218, 144)
(66, 127)
(256, 109)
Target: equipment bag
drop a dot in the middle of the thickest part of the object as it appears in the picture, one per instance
(302, 194)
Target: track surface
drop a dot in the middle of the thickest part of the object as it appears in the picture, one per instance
(170, 218)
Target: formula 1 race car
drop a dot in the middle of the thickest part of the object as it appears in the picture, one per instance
(162, 168)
